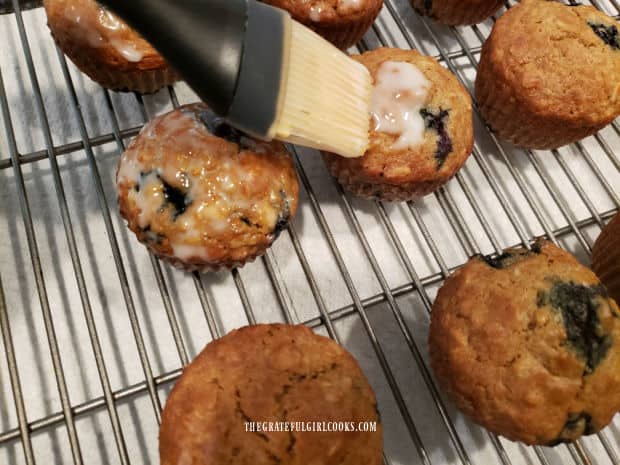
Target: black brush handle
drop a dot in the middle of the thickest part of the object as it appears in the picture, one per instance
(229, 51)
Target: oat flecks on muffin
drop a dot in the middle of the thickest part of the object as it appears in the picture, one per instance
(203, 195)
(528, 345)
(342, 22)
(606, 257)
(105, 48)
(549, 74)
(457, 12)
(271, 373)
(442, 112)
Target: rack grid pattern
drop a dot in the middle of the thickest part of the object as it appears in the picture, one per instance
(503, 197)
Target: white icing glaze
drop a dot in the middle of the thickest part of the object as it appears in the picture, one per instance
(99, 27)
(219, 186)
(128, 49)
(349, 5)
(400, 92)
(315, 13)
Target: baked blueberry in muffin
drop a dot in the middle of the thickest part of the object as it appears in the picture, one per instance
(203, 195)
(527, 344)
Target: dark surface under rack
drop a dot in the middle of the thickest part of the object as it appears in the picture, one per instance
(503, 197)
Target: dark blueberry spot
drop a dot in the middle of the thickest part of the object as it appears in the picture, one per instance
(576, 425)
(437, 122)
(151, 236)
(283, 217)
(226, 131)
(176, 197)
(579, 308)
(510, 257)
(246, 220)
(428, 5)
(608, 34)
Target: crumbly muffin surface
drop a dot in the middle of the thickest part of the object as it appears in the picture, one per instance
(269, 373)
(562, 61)
(401, 174)
(195, 190)
(528, 345)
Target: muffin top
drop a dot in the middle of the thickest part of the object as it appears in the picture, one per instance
(528, 345)
(94, 26)
(440, 138)
(559, 59)
(269, 373)
(325, 11)
(193, 188)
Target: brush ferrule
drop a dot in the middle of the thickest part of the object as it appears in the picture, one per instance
(255, 104)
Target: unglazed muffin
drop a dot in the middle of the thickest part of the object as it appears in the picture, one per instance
(606, 257)
(528, 345)
(549, 74)
(342, 22)
(457, 12)
(421, 129)
(105, 48)
(270, 373)
(202, 195)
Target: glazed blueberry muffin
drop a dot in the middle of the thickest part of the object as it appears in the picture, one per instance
(105, 48)
(342, 22)
(606, 257)
(202, 195)
(457, 12)
(270, 373)
(421, 129)
(528, 345)
(549, 74)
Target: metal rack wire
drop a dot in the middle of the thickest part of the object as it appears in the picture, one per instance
(531, 194)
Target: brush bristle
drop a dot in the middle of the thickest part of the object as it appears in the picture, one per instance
(327, 97)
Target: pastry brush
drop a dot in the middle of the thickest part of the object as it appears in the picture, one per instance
(265, 73)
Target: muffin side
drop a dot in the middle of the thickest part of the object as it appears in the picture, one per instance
(105, 48)
(395, 174)
(202, 195)
(606, 257)
(455, 12)
(342, 22)
(546, 77)
(272, 373)
(528, 345)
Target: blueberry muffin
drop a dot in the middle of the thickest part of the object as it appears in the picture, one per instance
(270, 373)
(105, 48)
(457, 12)
(549, 74)
(202, 195)
(342, 22)
(527, 344)
(421, 129)
(606, 257)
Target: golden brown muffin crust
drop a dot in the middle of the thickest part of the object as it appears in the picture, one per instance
(105, 48)
(548, 75)
(342, 22)
(269, 373)
(200, 200)
(606, 257)
(528, 345)
(408, 173)
(457, 12)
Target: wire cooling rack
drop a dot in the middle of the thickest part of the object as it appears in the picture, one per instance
(94, 330)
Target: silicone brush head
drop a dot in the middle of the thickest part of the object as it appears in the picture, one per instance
(325, 97)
